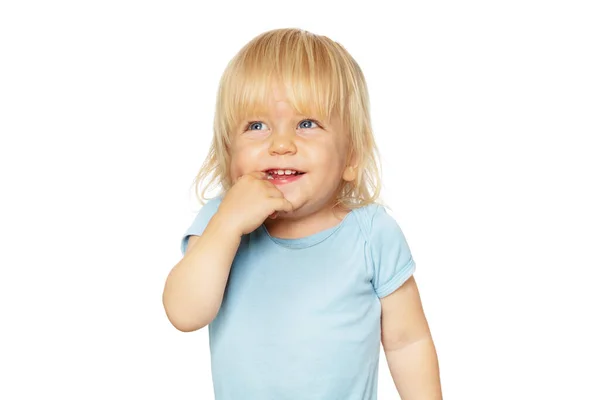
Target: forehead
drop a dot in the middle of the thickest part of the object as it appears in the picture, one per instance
(277, 94)
(278, 102)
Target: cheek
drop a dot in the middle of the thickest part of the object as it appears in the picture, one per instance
(234, 170)
(329, 156)
(243, 160)
(236, 166)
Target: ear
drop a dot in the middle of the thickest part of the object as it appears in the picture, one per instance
(351, 171)
(349, 174)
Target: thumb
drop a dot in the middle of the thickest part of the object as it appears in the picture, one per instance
(258, 174)
(255, 174)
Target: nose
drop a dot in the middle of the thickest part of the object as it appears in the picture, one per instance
(282, 142)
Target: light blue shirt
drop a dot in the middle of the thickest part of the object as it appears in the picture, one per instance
(300, 318)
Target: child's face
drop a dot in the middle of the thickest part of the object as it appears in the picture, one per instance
(283, 140)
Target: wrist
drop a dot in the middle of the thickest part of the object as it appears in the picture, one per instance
(224, 226)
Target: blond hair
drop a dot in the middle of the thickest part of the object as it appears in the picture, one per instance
(321, 78)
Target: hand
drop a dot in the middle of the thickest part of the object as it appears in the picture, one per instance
(250, 201)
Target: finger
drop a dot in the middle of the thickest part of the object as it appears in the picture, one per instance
(238, 179)
(289, 207)
(273, 192)
(282, 205)
(255, 174)
(258, 174)
(269, 183)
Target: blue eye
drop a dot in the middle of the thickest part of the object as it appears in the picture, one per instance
(307, 120)
(256, 125)
(252, 124)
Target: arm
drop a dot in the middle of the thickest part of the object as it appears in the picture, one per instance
(195, 286)
(408, 346)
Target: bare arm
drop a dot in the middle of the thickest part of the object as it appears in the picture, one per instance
(415, 370)
(195, 286)
(408, 346)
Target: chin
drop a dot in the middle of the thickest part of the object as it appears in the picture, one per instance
(298, 204)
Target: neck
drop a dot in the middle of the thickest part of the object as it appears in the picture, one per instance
(293, 228)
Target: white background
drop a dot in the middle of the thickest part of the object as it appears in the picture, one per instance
(487, 116)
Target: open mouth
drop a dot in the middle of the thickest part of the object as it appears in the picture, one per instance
(283, 174)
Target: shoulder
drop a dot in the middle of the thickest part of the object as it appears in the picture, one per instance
(388, 254)
(212, 205)
(380, 230)
(374, 219)
(200, 221)
(207, 211)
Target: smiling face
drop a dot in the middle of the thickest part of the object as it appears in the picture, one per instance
(306, 157)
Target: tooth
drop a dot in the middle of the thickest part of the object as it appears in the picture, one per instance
(270, 177)
(288, 172)
(280, 172)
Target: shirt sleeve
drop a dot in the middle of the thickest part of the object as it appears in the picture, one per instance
(200, 221)
(392, 260)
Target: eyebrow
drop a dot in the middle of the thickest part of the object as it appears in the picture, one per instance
(259, 116)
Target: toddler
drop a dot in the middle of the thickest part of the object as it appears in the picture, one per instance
(298, 271)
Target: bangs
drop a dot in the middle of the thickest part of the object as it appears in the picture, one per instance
(301, 64)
